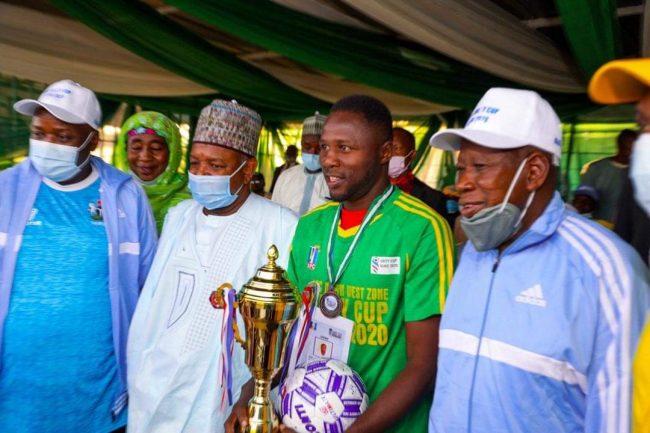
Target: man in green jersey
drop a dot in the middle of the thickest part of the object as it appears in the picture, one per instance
(391, 264)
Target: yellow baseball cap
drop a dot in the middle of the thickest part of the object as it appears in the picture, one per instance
(620, 81)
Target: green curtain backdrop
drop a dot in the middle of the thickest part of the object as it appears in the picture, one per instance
(591, 141)
(422, 147)
(373, 59)
(142, 30)
(591, 26)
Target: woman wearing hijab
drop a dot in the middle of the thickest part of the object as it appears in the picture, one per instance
(149, 148)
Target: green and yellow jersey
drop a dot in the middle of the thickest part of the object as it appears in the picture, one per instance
(399, 272)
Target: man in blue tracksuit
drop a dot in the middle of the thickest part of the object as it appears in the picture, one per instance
(546, 307)
(77, 238)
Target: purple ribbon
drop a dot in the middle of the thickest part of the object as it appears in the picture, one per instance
(228, 344)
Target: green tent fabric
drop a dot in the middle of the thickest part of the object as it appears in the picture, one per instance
(190, 105)
(422, 148)
(447, 174)
(170, 188)
(584, 143)
(270, 144)
(142, 30)
(373, 59)
(591, 26)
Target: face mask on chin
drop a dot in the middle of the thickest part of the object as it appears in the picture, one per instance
(213, 192)
(492, 226)
(57, 162)
(640, 171)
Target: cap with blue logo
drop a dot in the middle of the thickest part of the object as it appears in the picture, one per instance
(67, 101)
(508, 119)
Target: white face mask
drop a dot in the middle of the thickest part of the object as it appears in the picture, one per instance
(57, 162)
(397, 165)
(640, 171)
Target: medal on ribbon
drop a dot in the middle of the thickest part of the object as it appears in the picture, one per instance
(330, 303)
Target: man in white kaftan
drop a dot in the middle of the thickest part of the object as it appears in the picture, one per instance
(178, 375)
(302, 187)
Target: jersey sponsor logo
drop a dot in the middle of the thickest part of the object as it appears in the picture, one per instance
(385, 265)
(182, 297)
(369, 308)
(532, 296)
(312, 260)
(95, 210)
(32, 221)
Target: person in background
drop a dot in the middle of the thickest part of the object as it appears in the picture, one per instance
(303, 187)
(258, 184)
(290, 156)
(77, 238)
(401, 174)
(149, 148)
(183, 368)
(546, 307)
(585, 202)
(608, 175)
(623, 82)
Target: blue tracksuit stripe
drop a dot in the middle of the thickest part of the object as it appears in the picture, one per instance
(615, 287)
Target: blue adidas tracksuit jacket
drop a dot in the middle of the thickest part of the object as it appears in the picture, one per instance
(541, 339)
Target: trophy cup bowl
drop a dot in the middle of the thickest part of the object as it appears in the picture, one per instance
(269, 308)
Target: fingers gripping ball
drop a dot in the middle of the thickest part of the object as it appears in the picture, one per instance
(323, 396)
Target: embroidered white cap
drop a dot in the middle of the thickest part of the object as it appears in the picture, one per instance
(67, 101)
(508, 119)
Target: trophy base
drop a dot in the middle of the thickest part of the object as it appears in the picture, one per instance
(261, 417)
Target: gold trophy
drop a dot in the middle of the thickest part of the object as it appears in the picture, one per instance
(269, 308)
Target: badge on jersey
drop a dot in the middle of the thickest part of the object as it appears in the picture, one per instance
(312, 260)
(95, 210)
(385, 265)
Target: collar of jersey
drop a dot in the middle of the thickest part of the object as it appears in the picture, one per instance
(346, 233)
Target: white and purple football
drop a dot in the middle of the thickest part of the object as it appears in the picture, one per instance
(322, 396)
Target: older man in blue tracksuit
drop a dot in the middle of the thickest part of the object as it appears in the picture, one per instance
(546, 307)
(77, 238)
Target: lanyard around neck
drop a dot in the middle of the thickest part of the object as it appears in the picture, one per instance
(334, 278)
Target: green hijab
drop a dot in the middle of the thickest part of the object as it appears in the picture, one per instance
(170, 188)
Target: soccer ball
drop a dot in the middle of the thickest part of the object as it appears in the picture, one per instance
(323, 396)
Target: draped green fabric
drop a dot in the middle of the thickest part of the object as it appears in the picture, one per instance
(191, 105)
(144, 31)
(591, 27)
(170, 188)
(373, 59)
(269, 145)
(422, 148)
(447, 174)
(591, 142)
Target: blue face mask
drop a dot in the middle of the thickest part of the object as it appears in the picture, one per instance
(57, 162)
(311, 161)
(213, 192)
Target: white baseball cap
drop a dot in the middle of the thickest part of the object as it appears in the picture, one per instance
(508, 119)
(67, 101)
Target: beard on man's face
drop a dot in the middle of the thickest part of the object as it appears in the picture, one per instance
(358, 188)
